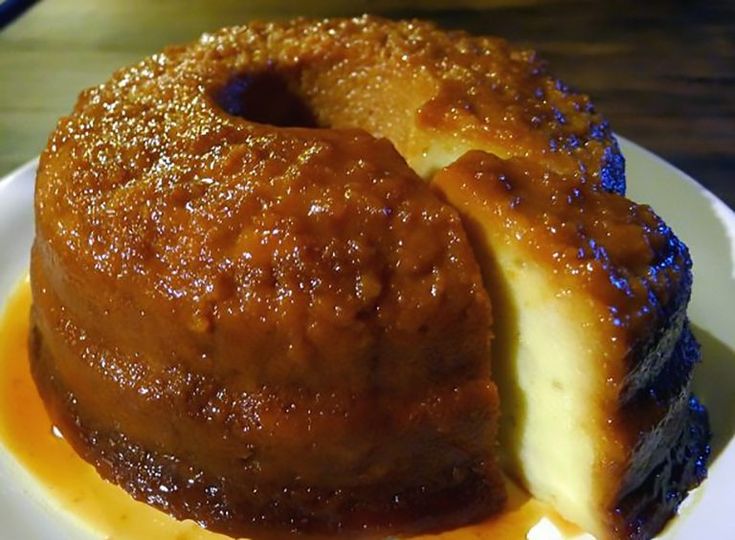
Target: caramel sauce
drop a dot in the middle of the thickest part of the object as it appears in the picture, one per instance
(74, 486)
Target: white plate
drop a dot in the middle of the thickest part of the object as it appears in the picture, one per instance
(705, 223)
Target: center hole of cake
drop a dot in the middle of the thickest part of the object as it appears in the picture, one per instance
(267, 98)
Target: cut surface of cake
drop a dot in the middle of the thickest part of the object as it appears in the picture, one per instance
(593, 352)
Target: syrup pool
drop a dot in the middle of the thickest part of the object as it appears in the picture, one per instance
(72, 486)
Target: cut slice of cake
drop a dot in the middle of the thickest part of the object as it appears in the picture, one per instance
(592, 355)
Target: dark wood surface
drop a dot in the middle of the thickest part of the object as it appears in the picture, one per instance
(663, 72)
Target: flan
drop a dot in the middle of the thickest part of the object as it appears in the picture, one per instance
(263, 274)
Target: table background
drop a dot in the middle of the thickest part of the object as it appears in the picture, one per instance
(662, 72)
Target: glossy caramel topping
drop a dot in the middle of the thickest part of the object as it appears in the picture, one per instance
(317, 241)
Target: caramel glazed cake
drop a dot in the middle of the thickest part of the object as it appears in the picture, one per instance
(263, 272)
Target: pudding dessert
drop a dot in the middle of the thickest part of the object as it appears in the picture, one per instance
(263, 274)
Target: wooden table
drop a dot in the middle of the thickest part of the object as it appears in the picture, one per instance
(663, 72)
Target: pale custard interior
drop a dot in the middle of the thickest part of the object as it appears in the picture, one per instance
(547, 358)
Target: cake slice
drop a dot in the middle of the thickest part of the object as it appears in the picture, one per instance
(593, 355)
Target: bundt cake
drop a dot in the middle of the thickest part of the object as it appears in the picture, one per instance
(255, 304)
